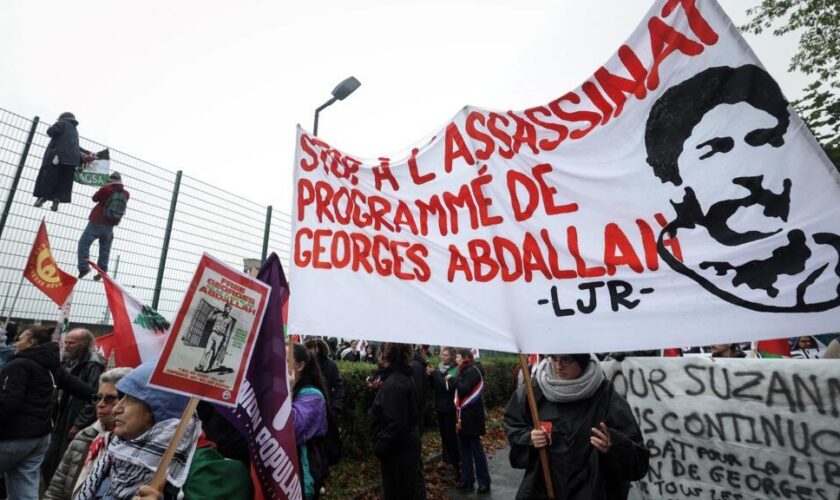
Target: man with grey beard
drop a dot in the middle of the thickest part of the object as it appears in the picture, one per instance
(73, 413)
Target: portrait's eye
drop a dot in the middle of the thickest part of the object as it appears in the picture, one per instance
(717, 145)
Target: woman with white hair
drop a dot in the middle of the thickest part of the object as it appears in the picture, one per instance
(85, 448)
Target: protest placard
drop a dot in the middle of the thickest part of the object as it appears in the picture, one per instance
(673, 188)
(209, 346)
(735, 429)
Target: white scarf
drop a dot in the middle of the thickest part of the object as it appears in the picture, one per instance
(557, 390)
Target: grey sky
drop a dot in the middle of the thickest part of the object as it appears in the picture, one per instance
(215, 88)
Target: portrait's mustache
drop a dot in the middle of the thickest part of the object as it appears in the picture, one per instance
(716, 219)
(775, 205)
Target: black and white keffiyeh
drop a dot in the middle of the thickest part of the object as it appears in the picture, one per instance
(130, 464)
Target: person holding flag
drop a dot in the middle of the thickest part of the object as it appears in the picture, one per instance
(61, 158)
(470, 422)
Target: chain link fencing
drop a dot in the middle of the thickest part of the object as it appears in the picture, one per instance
(171, 220)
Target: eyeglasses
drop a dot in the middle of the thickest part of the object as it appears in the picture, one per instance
(108, 399)
(563, 360)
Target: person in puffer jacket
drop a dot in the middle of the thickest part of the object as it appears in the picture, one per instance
(27, 385)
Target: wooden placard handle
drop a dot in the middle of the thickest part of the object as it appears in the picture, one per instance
(159, 479)
(535, 417)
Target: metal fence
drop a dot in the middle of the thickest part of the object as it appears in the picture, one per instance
(170, 221)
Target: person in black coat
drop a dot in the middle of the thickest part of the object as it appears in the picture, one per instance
(27, 384)
(395, 425)
(470, 422)
(329, 370)
(418, 373)
(442, 380)
(74, 413)
(595, 447)
(62, 156)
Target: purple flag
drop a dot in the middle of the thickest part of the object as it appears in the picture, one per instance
(264, 407)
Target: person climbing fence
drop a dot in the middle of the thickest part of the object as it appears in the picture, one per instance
(61, 158)
(111, 202)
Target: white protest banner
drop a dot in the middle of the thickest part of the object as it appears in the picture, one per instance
(208, 349)
(674, 198)
(735, 429)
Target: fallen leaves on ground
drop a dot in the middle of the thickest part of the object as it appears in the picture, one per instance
(354, 478)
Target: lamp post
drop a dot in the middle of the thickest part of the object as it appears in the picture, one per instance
(341, 91)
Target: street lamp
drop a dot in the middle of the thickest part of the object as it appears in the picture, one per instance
(340, 91)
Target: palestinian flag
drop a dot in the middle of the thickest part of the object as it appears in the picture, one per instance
(774, 348)
(96, 173)
(139, 331)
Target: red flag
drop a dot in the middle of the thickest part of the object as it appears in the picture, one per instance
(105, 344)
(775, 348)
(672, 352)
(42, 271)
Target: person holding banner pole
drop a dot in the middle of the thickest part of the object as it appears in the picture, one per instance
(470, 422)
(594, 444)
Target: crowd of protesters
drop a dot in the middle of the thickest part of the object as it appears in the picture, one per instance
(70, 429)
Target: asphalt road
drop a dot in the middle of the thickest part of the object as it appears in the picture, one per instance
(504, 479)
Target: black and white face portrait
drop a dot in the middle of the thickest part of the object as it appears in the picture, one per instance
(745, 209)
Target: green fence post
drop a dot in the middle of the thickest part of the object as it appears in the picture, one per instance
(266, 233)
(8, 206)
(165, 249)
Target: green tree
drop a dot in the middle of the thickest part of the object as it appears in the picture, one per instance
(818, 22)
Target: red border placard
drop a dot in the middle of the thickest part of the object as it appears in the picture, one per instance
(174, 383)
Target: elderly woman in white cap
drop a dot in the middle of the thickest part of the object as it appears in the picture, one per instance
(145, 419)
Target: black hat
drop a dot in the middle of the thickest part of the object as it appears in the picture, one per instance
(115, 176)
